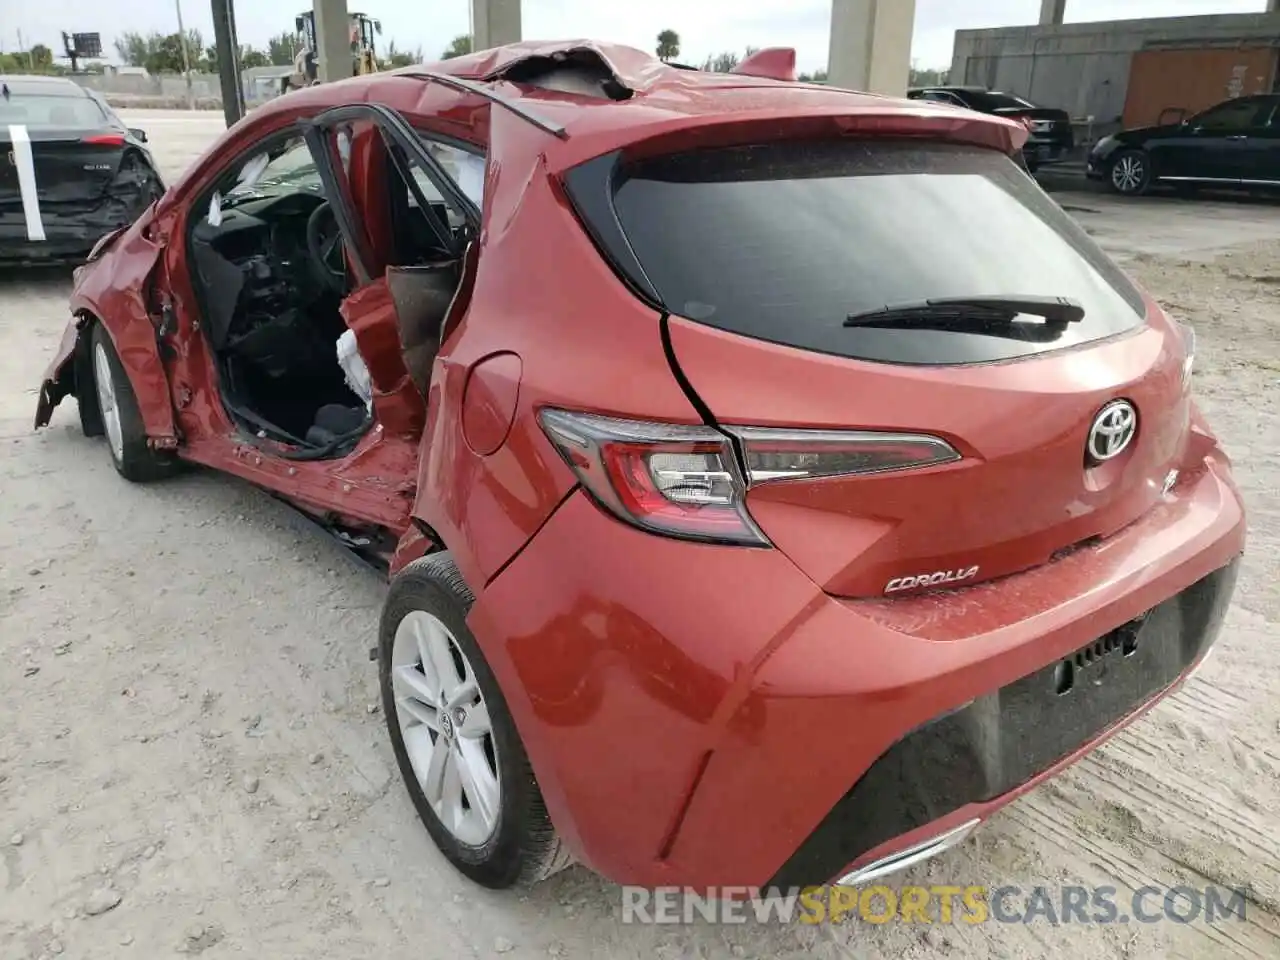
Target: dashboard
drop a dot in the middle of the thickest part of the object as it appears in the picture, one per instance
(254, 265)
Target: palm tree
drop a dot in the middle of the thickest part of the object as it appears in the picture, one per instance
(668, 45)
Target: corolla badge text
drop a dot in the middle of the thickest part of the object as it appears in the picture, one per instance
(934, 579)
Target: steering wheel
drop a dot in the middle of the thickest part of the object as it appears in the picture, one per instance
(324, 244)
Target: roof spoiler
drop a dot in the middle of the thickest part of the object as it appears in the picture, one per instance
(772, 63)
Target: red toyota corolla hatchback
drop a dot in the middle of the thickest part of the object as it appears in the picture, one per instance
(772, 479)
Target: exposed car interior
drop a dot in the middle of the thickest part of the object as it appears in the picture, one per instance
(272, 270)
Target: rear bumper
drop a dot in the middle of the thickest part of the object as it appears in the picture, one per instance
(68, 237)
(707, 716)
(982, 755)
(1044, 150)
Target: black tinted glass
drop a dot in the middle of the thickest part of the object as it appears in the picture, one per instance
(52, 111)
(782, 242)
(1240, 115)
(994, 100)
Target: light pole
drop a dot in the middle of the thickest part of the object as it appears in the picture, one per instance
(228, 48)
(186, 55)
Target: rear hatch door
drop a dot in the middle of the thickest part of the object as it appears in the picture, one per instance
(773, 260)
(72, 166)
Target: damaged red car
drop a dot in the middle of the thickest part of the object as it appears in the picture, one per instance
(773, 481)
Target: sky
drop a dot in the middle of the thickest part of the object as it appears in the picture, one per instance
(705, 27)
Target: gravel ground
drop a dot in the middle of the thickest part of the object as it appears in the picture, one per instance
(191, 759)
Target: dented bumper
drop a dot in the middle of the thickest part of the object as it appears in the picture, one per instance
(69, 235)
(59, 376)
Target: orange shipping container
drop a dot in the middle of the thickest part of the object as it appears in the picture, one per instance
(1194, 79)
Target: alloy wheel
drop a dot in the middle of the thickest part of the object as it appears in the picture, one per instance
(106, 388)
(445, 724)
(1128, 173)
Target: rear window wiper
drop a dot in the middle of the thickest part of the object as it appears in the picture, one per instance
(1055, 311)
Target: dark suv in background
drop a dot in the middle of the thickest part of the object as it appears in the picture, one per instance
(1051, 139)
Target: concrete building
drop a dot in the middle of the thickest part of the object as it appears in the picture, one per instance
(494, 22)
(1128, 72)
(870, 46)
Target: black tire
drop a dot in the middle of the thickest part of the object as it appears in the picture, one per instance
(86, 395)
(523, 847)
(135, 460)
(1129, 173)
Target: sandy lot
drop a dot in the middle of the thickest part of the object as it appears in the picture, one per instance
(190, 758)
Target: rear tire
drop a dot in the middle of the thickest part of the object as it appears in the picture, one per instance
(1130, 173)
(118, 413)
(86, 388)
(505, 837)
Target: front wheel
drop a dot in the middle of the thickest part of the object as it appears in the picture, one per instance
(1130, 173)
(118, 415)
(455, 742)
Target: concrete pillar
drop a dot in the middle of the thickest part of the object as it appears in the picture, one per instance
(1273, 6)
(333, 39)
(1052, 12)
(494, 22)
(871, 45)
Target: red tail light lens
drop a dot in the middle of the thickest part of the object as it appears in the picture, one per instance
(104, 139)
(686, 481)
(672, 479)
(810, 454)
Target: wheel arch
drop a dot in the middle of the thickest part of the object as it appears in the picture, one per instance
(115, 291)
(81, 374)
(70, 372)
(418, 541)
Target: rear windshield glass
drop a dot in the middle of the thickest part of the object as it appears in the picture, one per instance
(784, 241)
(43, 112)
(994, 100)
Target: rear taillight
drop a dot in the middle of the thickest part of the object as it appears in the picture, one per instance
(104, 139)
(686, 481)
(672, 479)
(809, 454)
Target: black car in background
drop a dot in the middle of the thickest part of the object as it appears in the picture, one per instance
(1051, 137)
(70, 170)
(1234, 144)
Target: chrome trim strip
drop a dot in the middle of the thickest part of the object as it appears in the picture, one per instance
(1256, 183)
(924, 850)
(1203, 660)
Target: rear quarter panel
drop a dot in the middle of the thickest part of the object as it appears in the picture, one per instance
(543, 293)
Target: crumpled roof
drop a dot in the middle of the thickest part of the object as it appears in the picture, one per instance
(632, 68)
